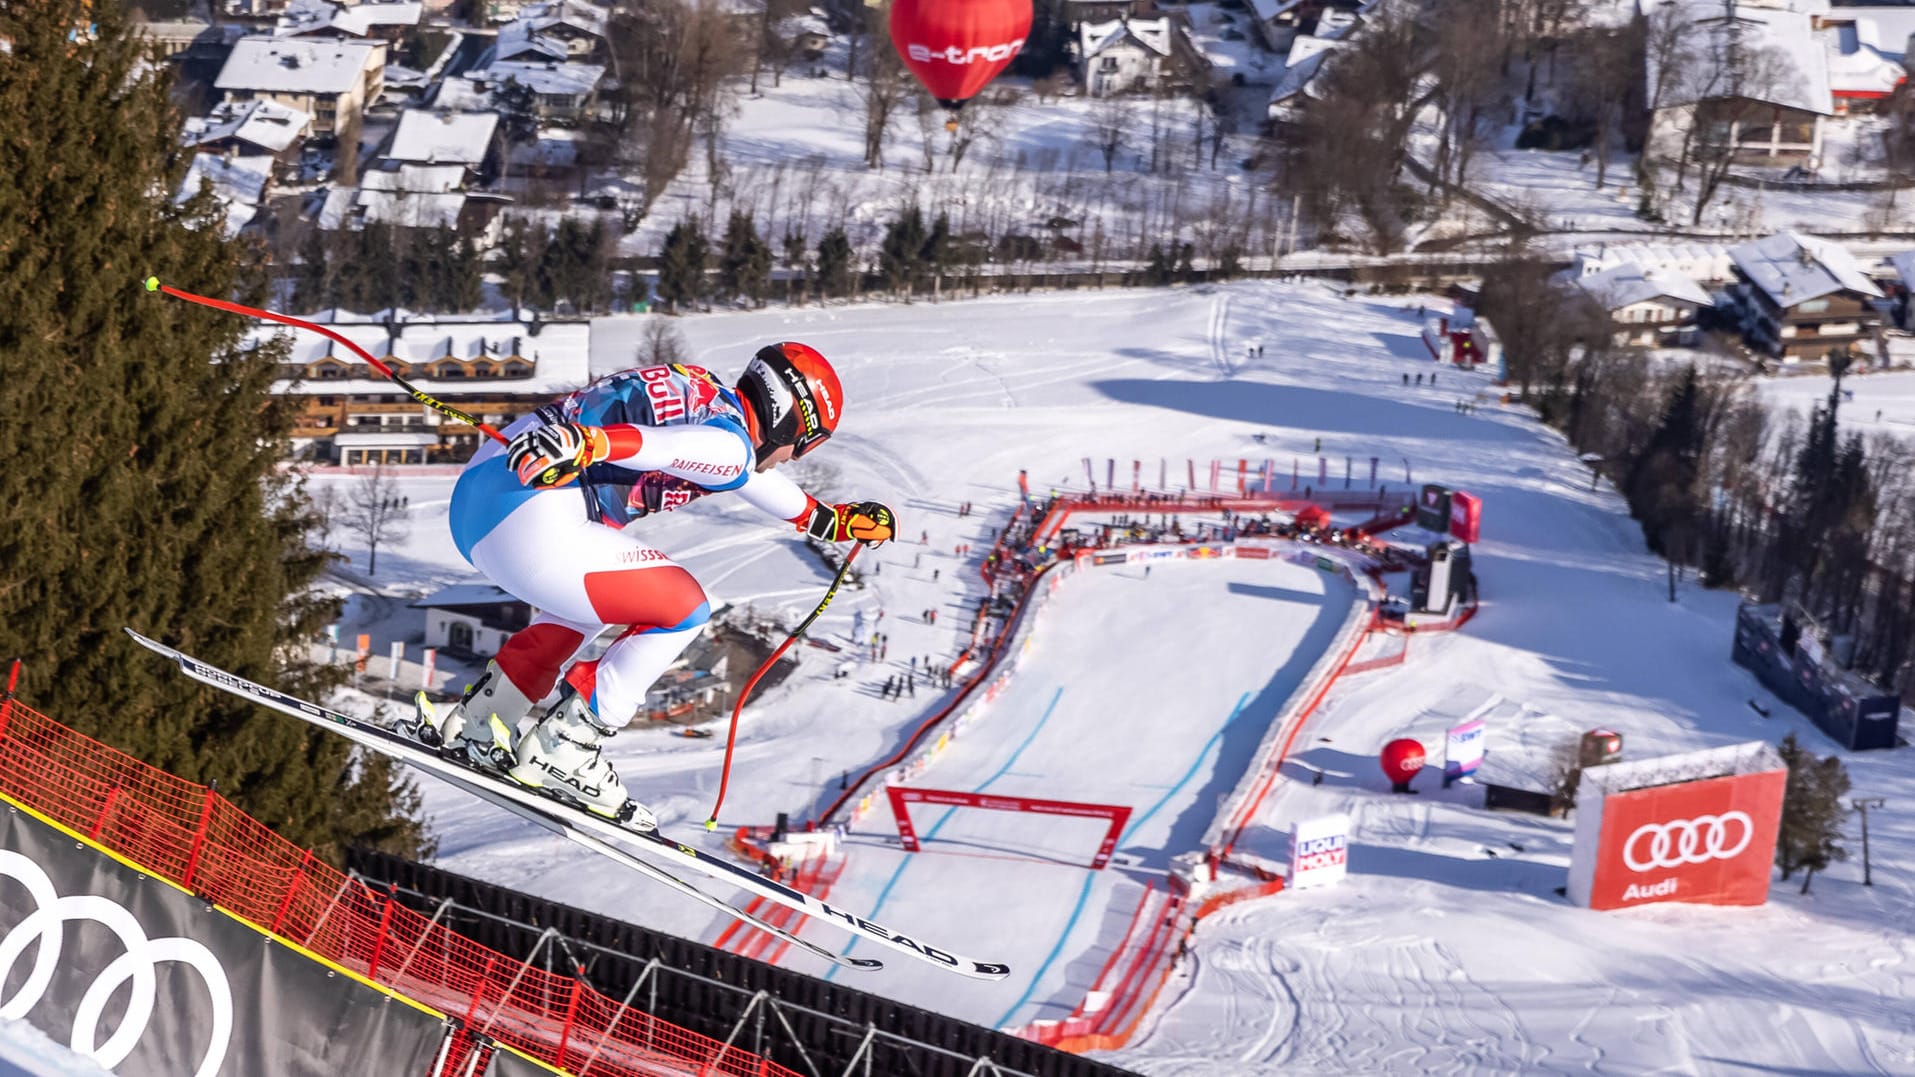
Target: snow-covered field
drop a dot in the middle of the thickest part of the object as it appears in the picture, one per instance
(1434, 954)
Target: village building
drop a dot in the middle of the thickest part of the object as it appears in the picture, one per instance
(494, 370)
(1647, 308)
(1131, 55)
(1802, 297)
(1757, 81)
(331, 81)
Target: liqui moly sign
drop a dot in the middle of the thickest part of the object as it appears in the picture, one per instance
(1710, 841)
(1319, 851)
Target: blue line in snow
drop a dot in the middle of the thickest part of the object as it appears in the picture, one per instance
(1131, 830)
(1089, 876)
(939, 825)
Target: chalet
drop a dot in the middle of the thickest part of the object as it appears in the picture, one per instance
(563, 92)
(1801, 297)
(1647, 307)
(471, 620)
(331, 81)
(1771, 116)
(1868, 53)
(238, 183)
(252, 129)
(469, 140)
(559, 31)
(387, 20)
(1131, 55)
(1278, 23)
(494, 370)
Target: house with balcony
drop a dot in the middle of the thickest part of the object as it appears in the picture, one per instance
(1648, 308)
(1131, 55)
(559, 31)
(252, 129)
(331, 81)
(1802, 297)
(1755, 80)
(493, 370)
(564, 92)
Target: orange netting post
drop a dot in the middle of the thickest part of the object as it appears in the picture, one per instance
(199, 837)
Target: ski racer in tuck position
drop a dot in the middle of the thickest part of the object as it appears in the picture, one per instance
(543, 517)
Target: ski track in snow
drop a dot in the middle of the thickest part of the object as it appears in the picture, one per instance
(1432, 956)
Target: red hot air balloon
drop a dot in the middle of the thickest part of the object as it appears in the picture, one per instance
(954, 47)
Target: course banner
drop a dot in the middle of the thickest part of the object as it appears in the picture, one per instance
(1462, 750)
(1319, 851)
(145, 978)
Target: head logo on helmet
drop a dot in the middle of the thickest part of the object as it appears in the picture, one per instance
(795, 396)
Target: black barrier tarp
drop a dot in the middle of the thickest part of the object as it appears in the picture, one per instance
(514, 922)
(171, 985)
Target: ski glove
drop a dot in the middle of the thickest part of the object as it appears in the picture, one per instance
(868, 522)
(554, 455)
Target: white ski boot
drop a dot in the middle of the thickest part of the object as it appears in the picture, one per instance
(561, 755)
(482, 728)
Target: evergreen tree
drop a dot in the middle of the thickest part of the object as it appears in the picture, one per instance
(314, 287)
(744, 269)
(1158, 271)
(154, 497)
(936, 255)
(681, 265)
(519, 252)
(834, 263)
(900, 257)
(466, 284)
(1661, 482)
(1812, 812)
(797, 266)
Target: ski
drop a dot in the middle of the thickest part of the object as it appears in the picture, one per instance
(589, 830)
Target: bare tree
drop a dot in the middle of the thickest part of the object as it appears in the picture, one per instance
(1464, 48)
(885, 86)
(1603, 83)
(981, 118)
(1753, 79)
(375, 512)
(1110, 120)
(661, 343)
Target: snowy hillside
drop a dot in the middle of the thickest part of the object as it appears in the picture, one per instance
(1447, 948)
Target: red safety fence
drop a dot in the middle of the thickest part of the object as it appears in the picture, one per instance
(190, 834)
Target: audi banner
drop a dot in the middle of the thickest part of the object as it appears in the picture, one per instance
(1679, 829)
(145, 978)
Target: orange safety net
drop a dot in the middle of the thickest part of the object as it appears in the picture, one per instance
(195, 837)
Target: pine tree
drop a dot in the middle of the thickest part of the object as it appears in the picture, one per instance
(466, 287)
(834, 263)
(154, 499)
(681, 265)
(900, 257)
(936, 255)
(314, 285)
(1158, 271)
(796, 265)
(1661, 482)
(1812, 812)
(744, 268)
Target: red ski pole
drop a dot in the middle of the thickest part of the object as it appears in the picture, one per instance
(153, 285)
(731, 736)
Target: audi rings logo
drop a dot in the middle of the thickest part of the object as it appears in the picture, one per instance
(46, 925)
(1688, 841)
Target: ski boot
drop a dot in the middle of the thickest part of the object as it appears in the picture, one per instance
(561, 756)
(481, 728)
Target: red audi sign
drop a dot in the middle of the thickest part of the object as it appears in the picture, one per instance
(1710, 841)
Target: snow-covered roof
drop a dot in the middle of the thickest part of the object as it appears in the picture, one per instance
(1803, 82)
(1628, 284)
(560, 80)
(561, 351)
(292, 65)
(463, 594)
(419, 179)
(1297, 77)
(1856, 67)
(240, 180)
(239, 183)
(462, 93)
(554, 148)
(1152, 34)
(401, 209)
(359, 20)
(1904, 265)
(1790, 267)
(267, 124)
(1885, 29)
(443, 137)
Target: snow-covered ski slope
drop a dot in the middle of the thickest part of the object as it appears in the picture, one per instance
(1433, 954)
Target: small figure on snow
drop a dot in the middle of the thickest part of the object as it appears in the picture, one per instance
(543, 517)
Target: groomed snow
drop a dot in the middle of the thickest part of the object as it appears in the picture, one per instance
(1433, 954)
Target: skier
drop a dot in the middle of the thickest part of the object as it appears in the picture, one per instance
(542, 517)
